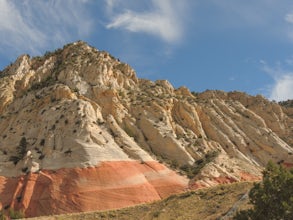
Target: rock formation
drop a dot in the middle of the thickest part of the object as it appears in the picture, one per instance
(79, 132)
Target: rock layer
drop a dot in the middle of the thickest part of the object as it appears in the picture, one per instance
(106, 186)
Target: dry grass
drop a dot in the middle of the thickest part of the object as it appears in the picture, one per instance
(211, 203)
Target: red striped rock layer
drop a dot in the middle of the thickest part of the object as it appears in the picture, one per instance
(109, 185)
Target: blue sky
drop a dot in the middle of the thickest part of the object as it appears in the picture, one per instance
(202, 44)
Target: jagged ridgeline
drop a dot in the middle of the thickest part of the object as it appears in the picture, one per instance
(79, 132)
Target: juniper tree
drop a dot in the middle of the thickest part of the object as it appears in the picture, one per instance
(273, 197)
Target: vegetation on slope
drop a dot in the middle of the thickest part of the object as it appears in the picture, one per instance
(273, 197)
(211, 203)
(288, 103)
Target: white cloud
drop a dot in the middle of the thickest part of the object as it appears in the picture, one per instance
(164, 20)
(110, 4)
(282, 89)
(289, 18)
(40, 25)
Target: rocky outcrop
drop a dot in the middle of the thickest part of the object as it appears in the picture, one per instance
(80, 127)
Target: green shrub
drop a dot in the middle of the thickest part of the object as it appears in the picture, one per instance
(2, 216)
(47, 82)
(174, 164)
(13, 214)
(192, 170)
(273, 197)
(194, 93)
(21, 150)
(129, 132)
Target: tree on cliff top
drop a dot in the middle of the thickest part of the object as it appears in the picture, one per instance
(273, 197)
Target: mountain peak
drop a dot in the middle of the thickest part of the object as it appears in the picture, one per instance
(76, 65)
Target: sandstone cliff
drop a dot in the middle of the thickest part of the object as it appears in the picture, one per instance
(79, 131)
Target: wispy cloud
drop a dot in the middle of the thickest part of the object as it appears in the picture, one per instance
(289, 19)
(16, 31)
(110, 4)
(254, 13)
(282, 89)
(270, 18)
(31, 27)
(163, 20)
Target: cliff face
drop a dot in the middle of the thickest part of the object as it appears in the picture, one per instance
(79, 131)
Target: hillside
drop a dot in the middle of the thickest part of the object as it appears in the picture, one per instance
(212, 203)
(80, 132)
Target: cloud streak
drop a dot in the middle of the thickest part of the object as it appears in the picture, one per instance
(282, 89)
(17, 32)
(289, 18)
(36, 26)
(164, 20)
(269, 17)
